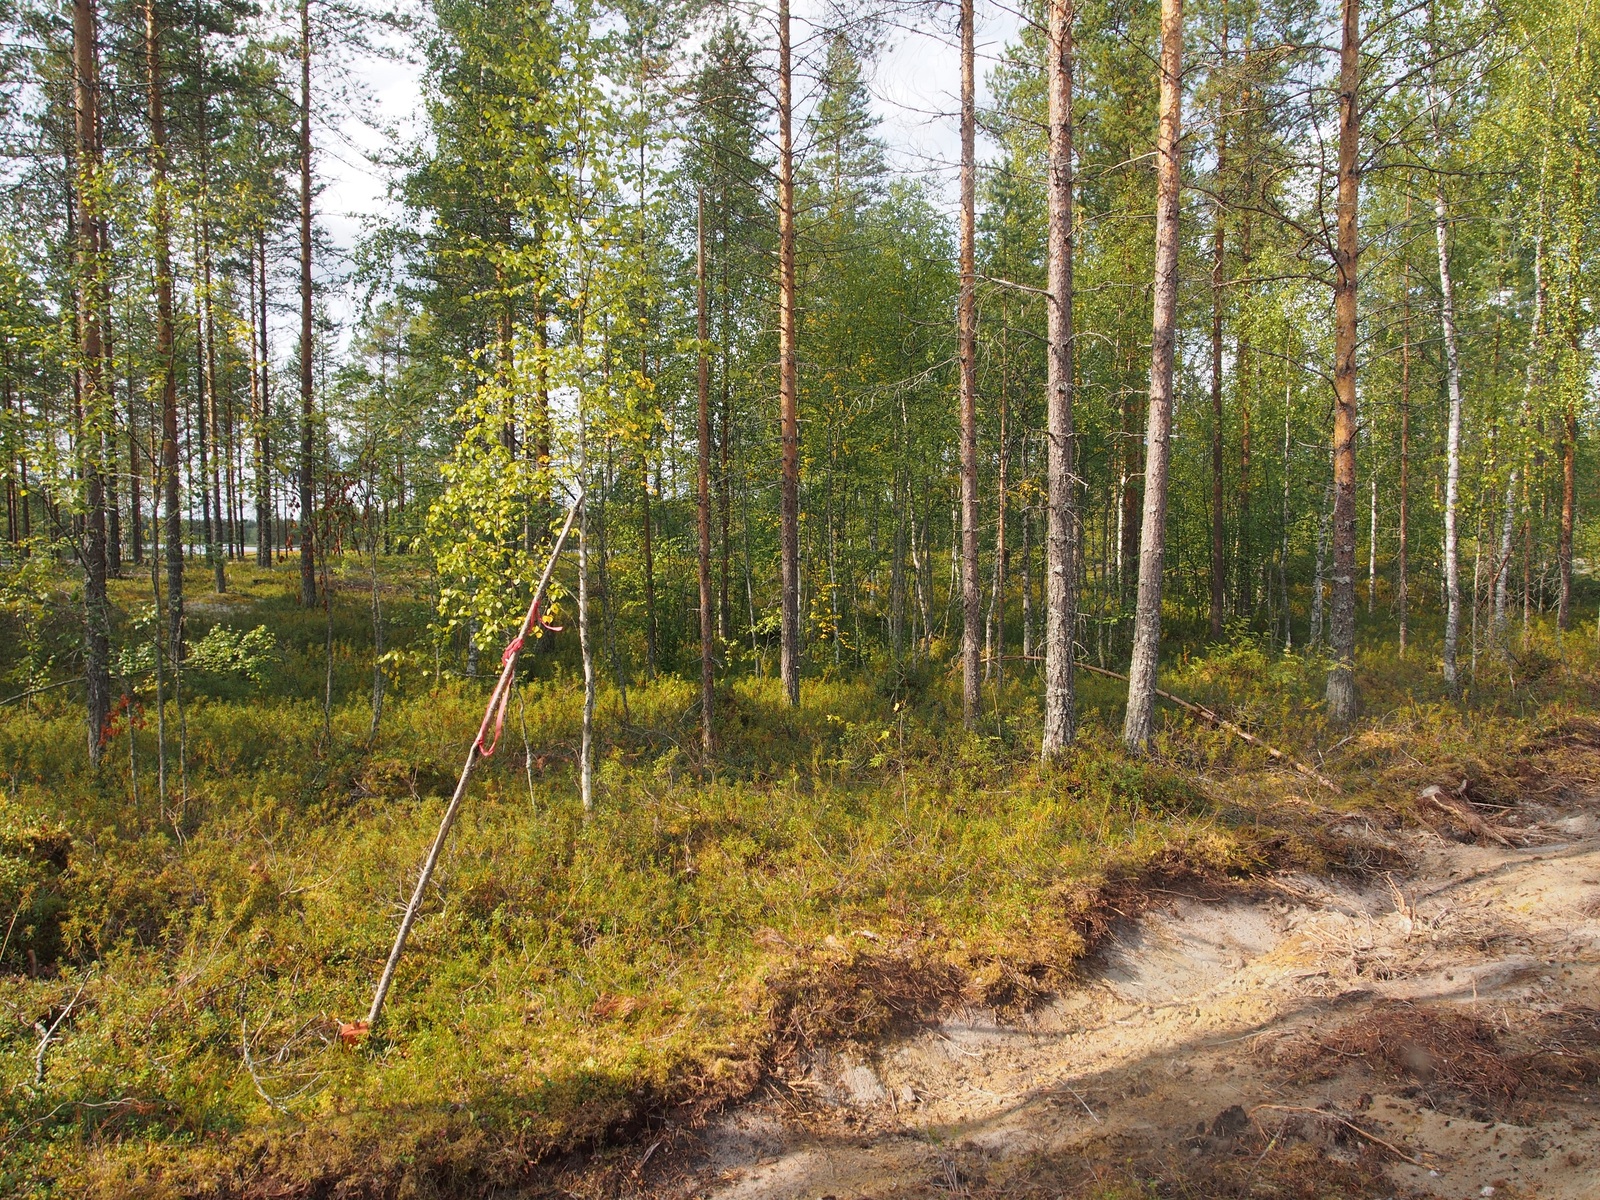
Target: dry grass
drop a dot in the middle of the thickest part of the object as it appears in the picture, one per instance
(1452, 1057)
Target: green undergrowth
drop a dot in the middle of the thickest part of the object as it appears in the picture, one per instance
(840, 871)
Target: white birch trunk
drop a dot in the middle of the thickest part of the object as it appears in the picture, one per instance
(1452, 477)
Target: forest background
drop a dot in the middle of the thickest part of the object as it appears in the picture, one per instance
(872, 490)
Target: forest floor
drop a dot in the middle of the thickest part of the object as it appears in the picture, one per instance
(861, 953)
(1431, 1030)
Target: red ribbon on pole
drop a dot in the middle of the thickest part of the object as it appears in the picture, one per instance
(500, 698)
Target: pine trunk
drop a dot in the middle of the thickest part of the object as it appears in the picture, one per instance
(789, 428)
(703, 485)
(165, 366)
(1139, 721)
(1341, 691)
(1219, 243)
(135, 491)
(261, 445)
(209, 415)
(1061, 511)
(1402, 586)
(93, 406)
(967, 320)
(308, 565)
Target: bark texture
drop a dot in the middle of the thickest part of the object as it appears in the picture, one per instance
(703, 484)
(1219, 247)
(967, 322)
(1061, 503)
(93, 404)
(165, 364)
(788, 422)
(1341, 691)
(308, 564)
(1452, 473)
(1140, 717)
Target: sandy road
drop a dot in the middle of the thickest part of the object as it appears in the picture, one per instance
(1433, 1032)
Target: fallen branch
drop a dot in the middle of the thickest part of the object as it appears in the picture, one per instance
(1460, 808)
(1304, 1110)
(276, 1103)
(49, 687)
(1221, 722)
(46, 1035)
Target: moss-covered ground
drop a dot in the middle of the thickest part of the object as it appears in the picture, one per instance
(185, 958)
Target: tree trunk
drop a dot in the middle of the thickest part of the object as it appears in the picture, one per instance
(165, 366)
(724, 501)
(1341, 691)
(208, 414)
(205, 333)
(1319, 573)
(107, 451)
(201, 408)
(789, 428)
(648, 561)
(1219, 240)
(1027, 562)
(995, 649)
(585, 639)
(1138, 723)
(135, 492)
(308, 564)
(93, 405)
(1244, 372)
(1541, 297)
(539, 435)
(1569, 506)
(1061, 511)
(1131, 438)
(703, 483)
(262, 447)
(256, 464)
(1372, 547)
(1452, 476)
(967, 348)
(1573, 391)
(1283, 522)
(231, 468)
(1402, 586)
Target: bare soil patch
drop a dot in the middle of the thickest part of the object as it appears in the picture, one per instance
(1427, 1031)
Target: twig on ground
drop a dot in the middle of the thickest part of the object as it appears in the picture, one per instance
(277, 1104)
(1207, 715)
(654, 1146)
(1214, 718)
(1460, 808)
(46, 1035)
(1075, 1095)
(1306, 1110)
